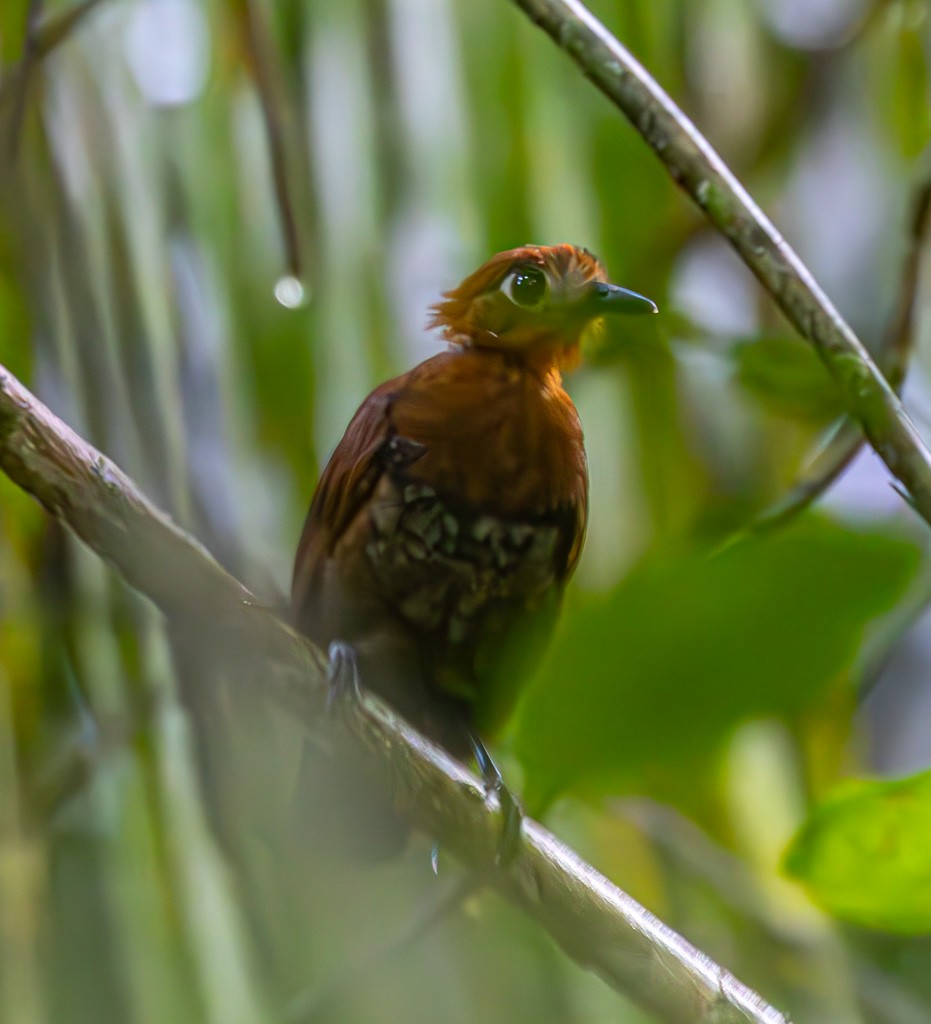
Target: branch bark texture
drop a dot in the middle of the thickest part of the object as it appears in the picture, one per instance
(700, 171)
(599, 926)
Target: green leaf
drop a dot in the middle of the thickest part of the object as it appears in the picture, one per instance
(657, 672)
(865, 854)
(787, 376)
(911, 117)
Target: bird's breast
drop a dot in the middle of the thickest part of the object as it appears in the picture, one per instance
(480, 508)
(444, 568)
(494, 437)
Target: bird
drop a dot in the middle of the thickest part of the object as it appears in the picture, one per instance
(451, 515)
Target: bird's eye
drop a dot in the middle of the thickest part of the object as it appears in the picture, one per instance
(526, 287)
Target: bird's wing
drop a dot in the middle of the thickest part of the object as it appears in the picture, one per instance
(346, 485)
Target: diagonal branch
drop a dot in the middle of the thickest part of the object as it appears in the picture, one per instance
(697, 168)
(592, 920)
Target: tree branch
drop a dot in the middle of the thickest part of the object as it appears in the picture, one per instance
(592, 920)
(697, 168)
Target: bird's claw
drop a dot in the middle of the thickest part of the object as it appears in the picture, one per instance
(512, 815)
(512, 818)
(342, 674)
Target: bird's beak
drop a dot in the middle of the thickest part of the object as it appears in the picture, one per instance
(603, 298)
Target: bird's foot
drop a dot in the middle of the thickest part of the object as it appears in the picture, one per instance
(342, 675)
(512, 815)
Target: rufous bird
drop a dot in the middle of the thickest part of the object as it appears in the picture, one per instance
(453, 511)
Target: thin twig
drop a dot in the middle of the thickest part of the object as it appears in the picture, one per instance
(697, 168)
(49, 33)
(260, 49)
(899, 337)
(592, 920)
(27, 63)
(841, 442)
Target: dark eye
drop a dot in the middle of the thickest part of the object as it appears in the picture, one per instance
(525, 286)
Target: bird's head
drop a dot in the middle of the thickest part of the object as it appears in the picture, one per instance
(534, 302)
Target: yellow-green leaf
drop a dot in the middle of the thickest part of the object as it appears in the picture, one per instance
(865, 854)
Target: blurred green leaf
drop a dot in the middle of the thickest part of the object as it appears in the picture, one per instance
(865, 854)
(14, 317)
(656, 672)
(787, 376)
(912, 118)
(899, 72)
(614, 344)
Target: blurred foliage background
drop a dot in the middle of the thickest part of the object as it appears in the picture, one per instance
(221, 224)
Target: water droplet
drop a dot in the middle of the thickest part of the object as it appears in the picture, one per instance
(290, 292)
